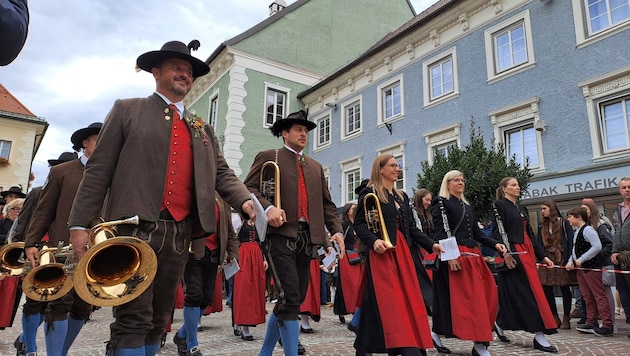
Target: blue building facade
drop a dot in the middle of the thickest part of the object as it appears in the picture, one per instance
(548, 79)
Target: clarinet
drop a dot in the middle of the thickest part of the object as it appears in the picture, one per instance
(501, 228)
(510, 261)
(447, 229)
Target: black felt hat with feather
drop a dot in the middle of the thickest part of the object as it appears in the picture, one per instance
(174, 49)
(299, 117)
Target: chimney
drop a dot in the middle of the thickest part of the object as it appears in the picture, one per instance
(276, 7)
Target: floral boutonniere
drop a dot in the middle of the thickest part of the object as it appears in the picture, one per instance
(198, 124)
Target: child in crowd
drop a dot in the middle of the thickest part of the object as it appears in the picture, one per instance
(586, 249)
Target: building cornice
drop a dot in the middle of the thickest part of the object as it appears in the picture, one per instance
(422, 40)
(231, 57)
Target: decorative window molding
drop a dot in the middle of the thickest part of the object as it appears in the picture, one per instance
(213, 109)
(276, 104)
(604, 95)
(398, 151)
(519, 128)
(352, 118)
(509, 47)
(602, 20)
(322, 132)
(441, 81)
(327, 176)
(350, 179)
(391, 104)
(441, 139)
(5, 149)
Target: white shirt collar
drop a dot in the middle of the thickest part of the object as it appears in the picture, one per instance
(179, 105)
(292, 150)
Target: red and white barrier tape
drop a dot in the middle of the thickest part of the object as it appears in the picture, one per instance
(588, 269)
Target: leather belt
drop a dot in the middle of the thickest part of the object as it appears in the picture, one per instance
(166, 215)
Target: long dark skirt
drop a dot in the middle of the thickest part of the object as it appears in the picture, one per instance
(522, 301)
(393, 314)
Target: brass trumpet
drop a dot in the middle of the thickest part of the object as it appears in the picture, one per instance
(51, 279)
(270, 188)
(115, 269)
(374, 218)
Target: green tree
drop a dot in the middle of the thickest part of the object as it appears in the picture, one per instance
(483, 168)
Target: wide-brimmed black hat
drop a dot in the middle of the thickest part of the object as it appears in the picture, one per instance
(13, 190)
(174, 49)
(299, 117)
(81, 134)
(64, 157)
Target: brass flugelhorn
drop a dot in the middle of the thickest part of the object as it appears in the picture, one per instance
(374, 218)
(270, 187)
(115, 269)
(12, 259)
(51, 279)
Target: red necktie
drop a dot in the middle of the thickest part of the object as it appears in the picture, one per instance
(175, 112)
(302, 197)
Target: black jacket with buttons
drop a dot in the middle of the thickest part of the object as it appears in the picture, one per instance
(468, 232)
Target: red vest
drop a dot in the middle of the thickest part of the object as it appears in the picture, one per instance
(179, 188)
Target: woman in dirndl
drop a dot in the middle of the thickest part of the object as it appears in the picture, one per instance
(522, 301)
(248, 296)
(350, 269)
(465, 295)
(393, 315)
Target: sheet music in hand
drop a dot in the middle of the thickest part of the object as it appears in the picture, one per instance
(261, 218)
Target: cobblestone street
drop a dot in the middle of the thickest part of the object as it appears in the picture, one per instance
(330, 338)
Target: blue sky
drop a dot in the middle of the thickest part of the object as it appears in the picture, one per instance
(80, 55)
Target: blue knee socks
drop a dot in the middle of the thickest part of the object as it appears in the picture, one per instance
(151, 350)
(138, 351)
(191, 317)
(271, 336)
(30, 323)
(55, 336)
(74, 326)
(289, 331)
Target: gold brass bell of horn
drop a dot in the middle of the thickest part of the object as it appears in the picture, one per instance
(270, 187)
(374, 218)
(115, 269)
(12, 259)
(50, 280)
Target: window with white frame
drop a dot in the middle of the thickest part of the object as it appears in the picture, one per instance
(514, 127)
(602, 14)
(520, 143)
(398, 152)
(444, 148)
(390, 104)
(597, 19)
(275, 105)
(441, 77)
(322, 132)
(327, 176)
(351, 179)
(615, 115)
(509, 46)
(351, 118)
(607, 100)
(213, 112)
(441, 140)
(5, 149)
